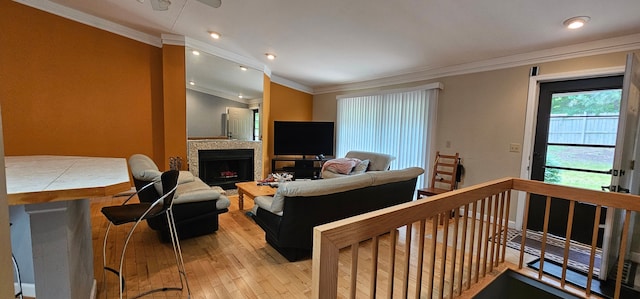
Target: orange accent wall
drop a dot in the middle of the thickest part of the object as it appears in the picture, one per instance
(175, 104)
(266, 120)
(290, 104)
(71, 89)
(286, 104)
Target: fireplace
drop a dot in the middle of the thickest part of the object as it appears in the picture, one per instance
(225, 167)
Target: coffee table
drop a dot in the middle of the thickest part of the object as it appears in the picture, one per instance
(251, 190)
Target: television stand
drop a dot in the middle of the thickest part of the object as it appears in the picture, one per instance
(301, 169)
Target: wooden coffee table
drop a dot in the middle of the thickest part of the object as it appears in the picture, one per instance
(251, 190)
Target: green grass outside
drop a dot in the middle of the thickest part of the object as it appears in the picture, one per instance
(583, 158)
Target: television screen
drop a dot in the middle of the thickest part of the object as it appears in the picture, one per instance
(305, 138)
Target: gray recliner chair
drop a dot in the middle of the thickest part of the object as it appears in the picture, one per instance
(196, 205)
(370, 162)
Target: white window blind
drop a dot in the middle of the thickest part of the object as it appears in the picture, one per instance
(399, 123)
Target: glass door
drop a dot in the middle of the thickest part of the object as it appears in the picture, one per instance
(576, 131)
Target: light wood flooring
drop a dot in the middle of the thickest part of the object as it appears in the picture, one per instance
(234, 262)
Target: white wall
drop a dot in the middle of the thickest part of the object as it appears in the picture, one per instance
(206, 114)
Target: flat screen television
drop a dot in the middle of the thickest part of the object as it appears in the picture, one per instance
(306, 138)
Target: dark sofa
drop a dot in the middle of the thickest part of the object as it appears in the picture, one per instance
(289, 216)
(196, 205)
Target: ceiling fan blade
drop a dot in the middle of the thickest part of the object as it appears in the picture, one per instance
(212, 3)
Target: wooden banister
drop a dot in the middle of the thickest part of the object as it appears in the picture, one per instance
(410, 256)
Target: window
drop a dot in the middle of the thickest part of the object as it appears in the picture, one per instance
(582, 138)
(397, 122)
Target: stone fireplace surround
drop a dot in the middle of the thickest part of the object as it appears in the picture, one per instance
(193, 146)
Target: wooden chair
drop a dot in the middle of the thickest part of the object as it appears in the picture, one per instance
(443, 176)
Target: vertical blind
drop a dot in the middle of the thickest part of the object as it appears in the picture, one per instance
(398, 123)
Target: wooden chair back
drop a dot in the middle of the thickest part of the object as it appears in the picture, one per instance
(445, 169)
(443, 176)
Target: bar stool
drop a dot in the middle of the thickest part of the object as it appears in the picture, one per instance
(137, 212)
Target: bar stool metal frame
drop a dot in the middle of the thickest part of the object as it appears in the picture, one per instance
(16, 271)
(137, 212)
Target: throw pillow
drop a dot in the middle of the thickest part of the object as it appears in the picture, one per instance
(340, 165)
(361, 167)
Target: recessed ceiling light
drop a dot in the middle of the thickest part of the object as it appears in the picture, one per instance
(214, 35)
(270, 56)
(192, 83)
(576, 22)
(243, 68)
(195, 52)
(241, 96)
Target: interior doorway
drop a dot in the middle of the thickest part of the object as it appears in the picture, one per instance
(575, 138)
(240, 123)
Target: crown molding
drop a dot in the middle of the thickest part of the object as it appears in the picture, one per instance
(292, 84)
(435, 85)
(92, 21)
(219, 94)
(173, 39)
(604, 46)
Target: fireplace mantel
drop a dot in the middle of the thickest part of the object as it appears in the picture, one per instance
(193, 146)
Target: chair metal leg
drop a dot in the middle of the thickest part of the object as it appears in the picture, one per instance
(177, 251)
(17, 273)
(124, 249)
(179, 261)
(104, 261)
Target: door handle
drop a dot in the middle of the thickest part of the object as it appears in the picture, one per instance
(622, 190)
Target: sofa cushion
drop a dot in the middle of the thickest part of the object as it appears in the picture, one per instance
(384, 177)
(149, 175)
(316, 188)
(185, 177)
(378, 161)
(223, 202)
(143, 168)
(195, 191)
(266, 202)
(331, 175)
(196, 195)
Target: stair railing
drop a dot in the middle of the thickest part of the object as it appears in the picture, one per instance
(449, 245)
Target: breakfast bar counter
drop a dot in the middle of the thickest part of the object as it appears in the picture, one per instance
(55, 192)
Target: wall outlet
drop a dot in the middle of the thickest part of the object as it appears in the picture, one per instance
(515, 147)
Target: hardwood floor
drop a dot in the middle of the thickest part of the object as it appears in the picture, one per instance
(234, 262)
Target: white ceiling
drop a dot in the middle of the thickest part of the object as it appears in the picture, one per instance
(321, 45)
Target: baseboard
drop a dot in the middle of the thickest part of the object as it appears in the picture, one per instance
(28, 289)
